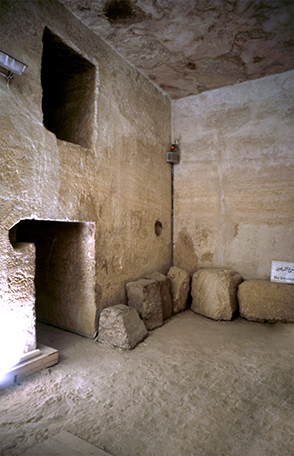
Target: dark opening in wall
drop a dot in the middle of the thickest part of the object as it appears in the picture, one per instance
(65, 271)
(158, 228)
(68, 82)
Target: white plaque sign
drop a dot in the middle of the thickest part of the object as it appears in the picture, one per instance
(282, 272)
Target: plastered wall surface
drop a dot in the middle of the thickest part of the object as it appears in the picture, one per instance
(234, 185)
(120, 181)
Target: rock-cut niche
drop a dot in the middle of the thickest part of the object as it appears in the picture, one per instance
(68, 83)
(64, 271)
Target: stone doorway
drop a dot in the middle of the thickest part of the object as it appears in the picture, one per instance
(64, 271)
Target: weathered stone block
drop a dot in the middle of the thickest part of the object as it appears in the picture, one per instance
(184, 253)
(214, 293)
(180, 287)
(145, 296)
(261, 300)
(121, 326)
(165, 290)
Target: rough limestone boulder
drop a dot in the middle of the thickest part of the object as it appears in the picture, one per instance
(165, 290)
(180, 287)
(121, 327)
(145, 296)
(214, 293)
(261, 300)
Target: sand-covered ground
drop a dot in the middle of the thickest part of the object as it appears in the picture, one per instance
(193, 387)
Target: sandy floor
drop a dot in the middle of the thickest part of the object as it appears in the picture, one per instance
(193, 387)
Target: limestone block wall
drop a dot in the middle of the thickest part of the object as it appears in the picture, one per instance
(234, 185)
(83, 137)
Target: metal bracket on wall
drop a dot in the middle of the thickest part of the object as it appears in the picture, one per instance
(12, 66)
(173, 156)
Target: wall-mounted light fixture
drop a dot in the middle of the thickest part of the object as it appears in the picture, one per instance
(12, 66)
(173, 156)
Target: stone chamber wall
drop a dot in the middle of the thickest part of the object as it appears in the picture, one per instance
(83, 175)
(233, 188)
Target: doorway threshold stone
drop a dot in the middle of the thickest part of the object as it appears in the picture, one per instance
(65, 444)
(46, 357)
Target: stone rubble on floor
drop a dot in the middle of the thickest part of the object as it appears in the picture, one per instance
(180, 287)
(165, 290)
(216, 293)
(152, 300)
(260, 300)
(121, 326)
(145, 296)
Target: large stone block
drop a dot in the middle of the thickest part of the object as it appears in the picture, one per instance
(184, 252)
(145, 296)
(180, 287)
(165, 290)
(121, 326)
(214, 293)
(261, 300)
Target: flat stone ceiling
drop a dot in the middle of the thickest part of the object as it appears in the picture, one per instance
(190, 46)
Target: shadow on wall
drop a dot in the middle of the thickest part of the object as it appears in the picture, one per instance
(68, 83)
(65, 271)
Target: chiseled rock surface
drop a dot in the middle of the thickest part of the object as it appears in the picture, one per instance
(38, 165)
(237, 230)
(214, 293)
(261, 300)
(187, 47)
(180, 287)
(121, 326)
(165, 290)
(145, 296)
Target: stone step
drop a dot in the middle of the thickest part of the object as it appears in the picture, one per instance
(65, 444)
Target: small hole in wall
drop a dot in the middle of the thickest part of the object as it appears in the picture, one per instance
(158, 228)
